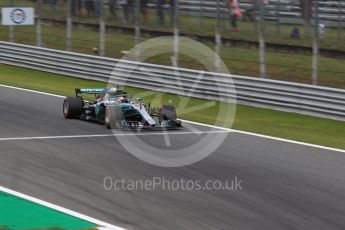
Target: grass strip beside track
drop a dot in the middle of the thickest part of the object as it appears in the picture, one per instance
(19, 214)
(240, 61)
(291, 126)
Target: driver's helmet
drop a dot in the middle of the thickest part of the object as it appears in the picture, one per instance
(123, 99)
(112, 91)
(99, 97)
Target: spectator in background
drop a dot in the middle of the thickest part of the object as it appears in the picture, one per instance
(143, 9)
(73, 7)
(254, 10)
(295, 34)
(172, 11)
(112, 7)
(53, 5)
(306, 9)
(124, 4)
(235, 12)
(160, 11)
(90, 8)
(99, 7)
(61, 3)
(79, 6)
(128, 10)
(306, 13)
(131, 8)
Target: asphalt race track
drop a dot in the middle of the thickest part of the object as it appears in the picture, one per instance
(284, 185)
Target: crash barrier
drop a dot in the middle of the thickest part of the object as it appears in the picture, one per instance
(285, 96)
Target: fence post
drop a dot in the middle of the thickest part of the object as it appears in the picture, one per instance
(137, 30)
(316, 44)
(218, 38)
(39, 42)
(11, 28)
(69, 26)
(307, 12)
(262, 45)
(101, 30)
(176, 32)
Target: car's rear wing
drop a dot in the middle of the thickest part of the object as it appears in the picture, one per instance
(79, 92)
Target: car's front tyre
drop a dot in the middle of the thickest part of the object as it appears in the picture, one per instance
(167, 112)
(113, 117)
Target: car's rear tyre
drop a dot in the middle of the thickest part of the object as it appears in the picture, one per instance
(113, 117)
(167, 112)
(72, 107)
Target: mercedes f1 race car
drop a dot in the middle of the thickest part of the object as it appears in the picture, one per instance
(117, 109)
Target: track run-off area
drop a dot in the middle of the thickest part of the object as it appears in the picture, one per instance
(282, 184)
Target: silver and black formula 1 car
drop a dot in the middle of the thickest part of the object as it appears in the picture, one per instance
(117, 109)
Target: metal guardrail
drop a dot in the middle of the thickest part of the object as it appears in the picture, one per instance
(279, 95)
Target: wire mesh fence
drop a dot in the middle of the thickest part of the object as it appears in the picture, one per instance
(276, 39)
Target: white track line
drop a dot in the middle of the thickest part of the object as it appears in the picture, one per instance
(112, 135)
(60, 209)
(32, 91)
(211, 126)
(268, 137)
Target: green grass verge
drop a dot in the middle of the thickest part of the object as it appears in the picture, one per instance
(240, 60)
(19, 214)
(263, 121)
